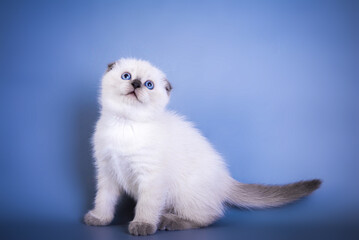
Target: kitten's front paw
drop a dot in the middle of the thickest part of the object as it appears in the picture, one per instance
(92, 220)
(141, 228)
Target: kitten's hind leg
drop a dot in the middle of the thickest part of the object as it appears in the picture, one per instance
(170, 221)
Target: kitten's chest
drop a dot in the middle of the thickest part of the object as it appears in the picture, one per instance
(129, 148)
(125, 138)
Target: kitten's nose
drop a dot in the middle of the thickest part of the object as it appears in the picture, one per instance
(136, 83)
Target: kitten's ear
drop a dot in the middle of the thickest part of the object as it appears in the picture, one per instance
(110, 66)
(168, 87)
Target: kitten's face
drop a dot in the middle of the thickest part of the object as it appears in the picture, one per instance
(136, 84)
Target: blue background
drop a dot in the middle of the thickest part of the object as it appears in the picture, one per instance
(272, 84)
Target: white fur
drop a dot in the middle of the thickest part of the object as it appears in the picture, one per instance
(154, 155)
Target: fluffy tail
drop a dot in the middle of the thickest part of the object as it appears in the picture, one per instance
(265, 196)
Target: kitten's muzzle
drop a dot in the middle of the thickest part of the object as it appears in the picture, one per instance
(136, 83)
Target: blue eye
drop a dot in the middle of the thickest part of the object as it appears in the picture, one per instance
(126, 76)
(149, 84)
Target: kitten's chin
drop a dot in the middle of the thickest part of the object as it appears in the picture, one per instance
(129, 107)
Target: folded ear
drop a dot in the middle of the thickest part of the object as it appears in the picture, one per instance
(110, 66)
(168, 87)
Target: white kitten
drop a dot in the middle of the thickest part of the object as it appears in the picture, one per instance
(177, 178)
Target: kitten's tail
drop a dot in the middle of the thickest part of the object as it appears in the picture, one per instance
(265, 196)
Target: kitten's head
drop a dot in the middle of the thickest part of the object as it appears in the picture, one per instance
(134, 89)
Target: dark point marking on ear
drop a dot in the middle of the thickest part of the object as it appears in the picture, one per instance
(168, 87)
(110, 66)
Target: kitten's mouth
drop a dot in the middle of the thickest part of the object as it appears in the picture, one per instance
(132, 94)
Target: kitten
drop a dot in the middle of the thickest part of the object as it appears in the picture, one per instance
(177, 178)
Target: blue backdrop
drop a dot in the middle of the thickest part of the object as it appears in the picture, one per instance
(272, 84)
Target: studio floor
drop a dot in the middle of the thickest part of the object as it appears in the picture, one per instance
(237, 224)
